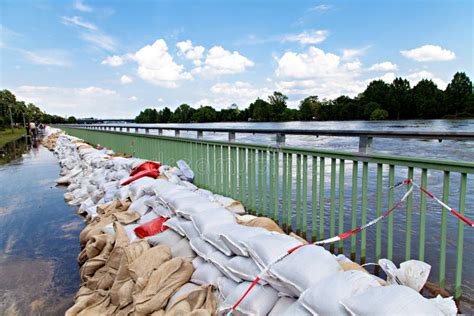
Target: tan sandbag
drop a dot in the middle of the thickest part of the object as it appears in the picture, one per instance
(148, 261)
(130, 253)
(263, 222)
(127, 217)
(94, 228)
(98, 243)
(84, 299)
(200, 301)
(163, 282)
(351, 265)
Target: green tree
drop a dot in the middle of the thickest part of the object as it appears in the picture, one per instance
(427, 99)
(369, 108)
(309, 108)
(205, 114)
(377, 91)
(401, 105)
(164, 116)
(183, 114)
(378, 114)
(261, 111)
(71, 120)
(457, 93)
(278, 105)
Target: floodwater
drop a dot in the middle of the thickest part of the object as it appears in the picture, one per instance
(39, 235)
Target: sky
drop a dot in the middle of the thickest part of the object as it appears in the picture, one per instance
(111, 59)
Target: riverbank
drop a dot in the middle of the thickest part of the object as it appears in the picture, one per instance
(7, 136)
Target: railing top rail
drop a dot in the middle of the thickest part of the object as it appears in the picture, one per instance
(312, 132)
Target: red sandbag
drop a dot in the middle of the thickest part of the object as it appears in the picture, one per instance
(145, 173)
(147, 165)
(151, 228)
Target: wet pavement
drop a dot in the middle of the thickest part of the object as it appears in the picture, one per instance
(38, 237)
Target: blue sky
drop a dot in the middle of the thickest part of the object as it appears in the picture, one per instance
(114, 58)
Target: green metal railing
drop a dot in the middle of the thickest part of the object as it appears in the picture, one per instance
(320, 193)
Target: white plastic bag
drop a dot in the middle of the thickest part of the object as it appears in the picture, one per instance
(412, 273)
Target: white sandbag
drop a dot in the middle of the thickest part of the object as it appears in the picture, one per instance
(281, 306)
(221, 261)
(412, 273)
(212, 236)
(259, 301)
(197, 262)
(397, 300)
(168, 238)
(139, 206)
(296, 309)
(202, 247)
(234, 237)
(189, 229)
(183, 290)
(175, 224)
(314, 264)
(158, 208)
(188, 174)
(206, 273)
(230, 204)
(182, 249)
(130, 232)
(244, 268)
(324, 297)
(208, 219)
(137, 187)
(225, 286)
(147, 218)
(189, 185)
(122, 193)
(188, 208)
(267, 248)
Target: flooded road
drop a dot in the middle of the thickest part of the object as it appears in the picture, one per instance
(38, 238)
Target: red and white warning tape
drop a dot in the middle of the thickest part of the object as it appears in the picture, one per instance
(354, 231)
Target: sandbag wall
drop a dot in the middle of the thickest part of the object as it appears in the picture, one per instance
(206, 251)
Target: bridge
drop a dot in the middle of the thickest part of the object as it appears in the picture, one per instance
(92, 120)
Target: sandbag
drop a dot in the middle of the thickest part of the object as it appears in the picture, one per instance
(259, 301)
(324, 297)
(139, 206)
(263, 222)
(314, 264)
(186, 170)
(145, 173)
(234, 236)
(244, 268)
(147, 218)
(207, 220)
(168, 238)
(136, 188)
(162, 283)
(185, 289)
(281, 306)
(296, 309)
(183, 249)
(151, 228)
(175, 224)
(202, 248)
(206, 273)
(225, 286)
(189, 229)
(197, 262)
(221, 261)
(267, 248)
(397, 300)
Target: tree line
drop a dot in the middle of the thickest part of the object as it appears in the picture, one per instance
(21, 112)
(379, 101)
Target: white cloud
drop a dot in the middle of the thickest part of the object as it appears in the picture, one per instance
(113, 61)
(221, 62)
(321, 8)
(100, 40)
(80, 102)
(78, 21)
(316, 72)
(79, 5)
(194, 53)
(387, 77)
(383, 66)
(350, 53)
(307, 37)
(125, 79)
(415, 77)
(47, 57)
(429, 53)
(133, 98)
(156, 65)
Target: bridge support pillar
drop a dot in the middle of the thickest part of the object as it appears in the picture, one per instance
(199, 134)
(280, 139)
(160, 131)
(365, 144)
(176, 133)
(231, 137)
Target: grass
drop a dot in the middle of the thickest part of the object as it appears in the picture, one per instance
(7, 136)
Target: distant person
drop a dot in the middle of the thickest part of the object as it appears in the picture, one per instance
(33, 129)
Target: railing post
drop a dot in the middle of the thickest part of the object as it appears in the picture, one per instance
(365, 144)
(176, 132)
(199, 134)
(128, 129)
(280, 139)
(160, 131)
(231, 137)
(120, 128)
(147, 131)
(136, 130)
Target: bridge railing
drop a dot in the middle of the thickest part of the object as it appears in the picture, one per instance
(320, 193)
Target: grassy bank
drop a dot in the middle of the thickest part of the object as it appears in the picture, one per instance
(6, 135)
